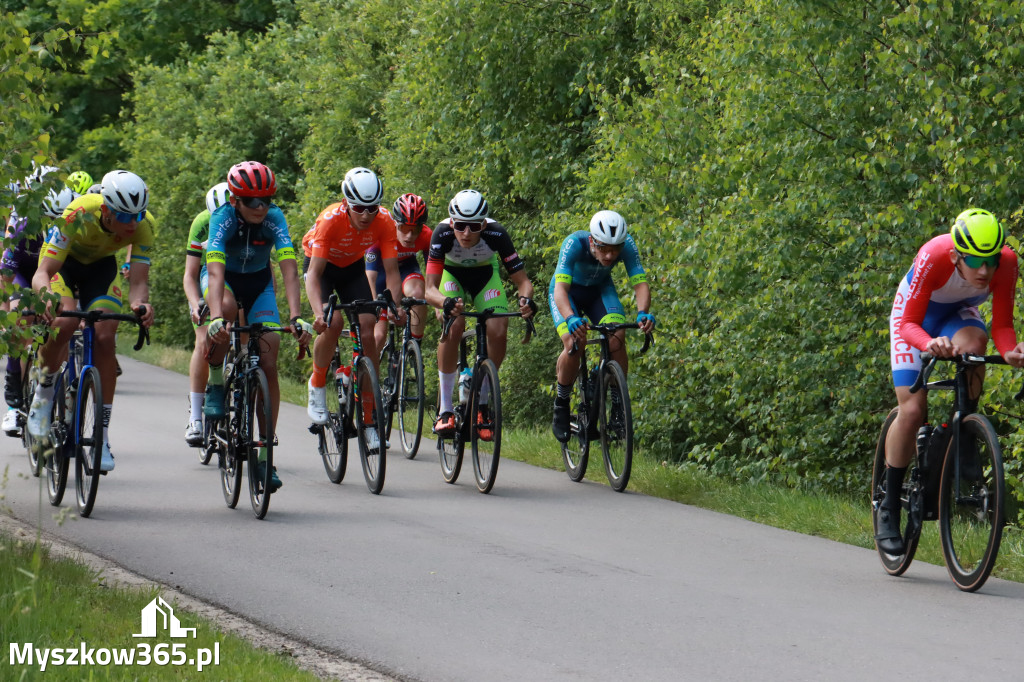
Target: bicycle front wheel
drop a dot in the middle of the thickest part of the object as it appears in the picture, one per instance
(972, 496)
(257, 435)
(88, 440)
(333, 441)
(388, 381)
(56, 459)
(372, 455)
(410, 399)
(230, 458)
(485, 424)
(576, 451)
(205, 453)
(909, 499)
(616, 427)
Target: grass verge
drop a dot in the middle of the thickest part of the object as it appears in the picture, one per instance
(841, 518)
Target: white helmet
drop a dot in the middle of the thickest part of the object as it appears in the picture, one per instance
(217, 196)
(95, 189)
(362, 187)
(56, 201)
(608, 227)
(124, 192)
(468, 205)
(38, 173)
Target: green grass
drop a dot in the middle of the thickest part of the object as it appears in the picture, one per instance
(841, 518)
(58, 603)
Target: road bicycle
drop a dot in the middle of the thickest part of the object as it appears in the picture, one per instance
(478, 412)
(76, 417)
(248, 423)
(402, 385)
(346, 404)
(956, 477)
(600, 409)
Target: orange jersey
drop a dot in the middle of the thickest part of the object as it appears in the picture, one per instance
(334, 238)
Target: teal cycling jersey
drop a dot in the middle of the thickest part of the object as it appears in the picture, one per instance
(245, 247)
(576, 265)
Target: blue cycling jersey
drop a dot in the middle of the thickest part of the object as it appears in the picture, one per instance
(576, 265)
(244, 247)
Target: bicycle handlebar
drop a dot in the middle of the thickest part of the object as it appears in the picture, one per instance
(91, 317)
(383, 300)
(969, 359)
(486, 315)
(610, 328)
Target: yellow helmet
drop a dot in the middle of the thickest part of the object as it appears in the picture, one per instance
(977, 232)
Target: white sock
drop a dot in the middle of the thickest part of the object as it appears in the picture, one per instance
(447, 383)
(107, 409)
(196, 399)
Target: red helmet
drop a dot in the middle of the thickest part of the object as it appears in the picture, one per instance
(409, 209)
(251, 179)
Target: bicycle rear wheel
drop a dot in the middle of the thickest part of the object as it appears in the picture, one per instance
(972, 496)
(88, 440)
(485, 424)
(411, 399)
(910, 498)
(451, 448)
(331, 437)
(388, 381)
(258, 419)
(616, 427)
(372, 458)
(56, 460)
(576, 451)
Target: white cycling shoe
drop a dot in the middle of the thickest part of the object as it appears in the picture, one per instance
(372, 439)
(10, 425)
(106, 459)
(316, 406)
(39, 418)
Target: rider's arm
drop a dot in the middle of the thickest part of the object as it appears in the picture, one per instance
(932, 269)
(522, 282)
(431, 292)
(290, 275)
(1004, 286)
(190, 282)
(314, 293)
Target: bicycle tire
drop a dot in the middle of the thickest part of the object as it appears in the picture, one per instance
(485, 465)
(227, 437)
(88, 440)
(411, 399)
(258, 409)
(895, 565)
(972, 499)
(450, 449)
(616, 427)
(57, 464)
(389, 366)
(576, 451)
(374, 461)
(28, 390)
(332, 441)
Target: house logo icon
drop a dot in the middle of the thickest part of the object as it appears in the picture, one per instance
(159, 613)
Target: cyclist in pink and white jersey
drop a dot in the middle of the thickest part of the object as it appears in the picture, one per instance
(936, 310)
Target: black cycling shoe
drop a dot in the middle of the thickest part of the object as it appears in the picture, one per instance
(888, 537)
(12, 389)
(560, 422)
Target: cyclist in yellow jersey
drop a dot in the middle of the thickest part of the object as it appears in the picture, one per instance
(78, 263)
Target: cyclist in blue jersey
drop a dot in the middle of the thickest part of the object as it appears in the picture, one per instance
(582, 286)
(243, 233)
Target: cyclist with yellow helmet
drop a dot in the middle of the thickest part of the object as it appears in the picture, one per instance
(936, 311)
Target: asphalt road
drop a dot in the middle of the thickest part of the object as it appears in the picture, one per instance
(543, 579)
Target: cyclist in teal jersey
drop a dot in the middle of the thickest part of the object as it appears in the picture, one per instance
(194, 283)
(582, 285)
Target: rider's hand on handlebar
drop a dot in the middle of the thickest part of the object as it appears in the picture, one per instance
(148, 315)
(319, 324)
(453, 306)
(217, 330)
(1015, 358)
(646, 322)
(942, 347)
(302, 330)
(578, 328)
(527, 308)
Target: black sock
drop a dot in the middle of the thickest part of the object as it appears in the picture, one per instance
(564, 392)
(893, 487)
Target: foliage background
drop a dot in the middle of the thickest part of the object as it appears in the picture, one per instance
(779, 163)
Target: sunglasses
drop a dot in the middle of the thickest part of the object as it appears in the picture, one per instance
(129, 217)
(460, 226)
(975, 262)
(364, 209)
(607, 248)
(255, 203)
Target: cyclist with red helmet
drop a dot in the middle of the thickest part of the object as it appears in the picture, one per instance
(338, 243)
(410, 215)
(936, 310)
(243, 233)
(78, 263)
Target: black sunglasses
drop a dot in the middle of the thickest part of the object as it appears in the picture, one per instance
(255, 202)
(460, 226)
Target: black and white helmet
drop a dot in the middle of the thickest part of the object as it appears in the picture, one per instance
(217, 196)
(608, 227)
(35, 178)
(124, 192)
(468, 205)
(57, 200)
(362, 187)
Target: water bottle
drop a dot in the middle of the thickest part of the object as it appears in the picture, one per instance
(923, 435)
(465, 378)
(344, 376)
